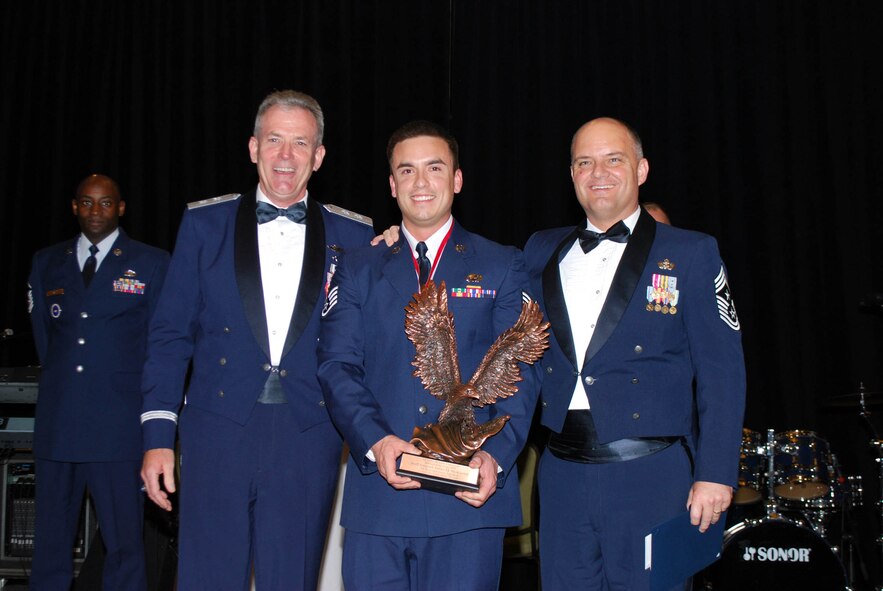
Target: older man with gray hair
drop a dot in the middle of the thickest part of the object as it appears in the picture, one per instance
(246, 286)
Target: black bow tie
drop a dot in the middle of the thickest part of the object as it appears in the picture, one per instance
(267, 212)
(588, 240)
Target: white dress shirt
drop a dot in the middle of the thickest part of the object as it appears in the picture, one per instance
(585, 282)
(281, 248)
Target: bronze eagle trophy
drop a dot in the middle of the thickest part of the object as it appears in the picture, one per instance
(455, 437)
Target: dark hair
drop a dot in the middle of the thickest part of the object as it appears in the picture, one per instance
(100, 178)
(420, 128)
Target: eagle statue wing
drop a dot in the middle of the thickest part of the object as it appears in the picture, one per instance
(430, 326)
(498, 372)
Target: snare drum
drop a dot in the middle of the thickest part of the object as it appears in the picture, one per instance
(751, 469)
(802, 467)
(775, 553)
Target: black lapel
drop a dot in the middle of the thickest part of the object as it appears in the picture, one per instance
(556, 307)
(248, 269)
(312, 275)
(631, 266)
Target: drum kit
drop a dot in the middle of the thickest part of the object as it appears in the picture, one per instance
(789, 525)
(785, 525)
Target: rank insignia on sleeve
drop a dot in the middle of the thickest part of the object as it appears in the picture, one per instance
(330, 301)
(663, 295)
(472, 291)
(128, 285)
(725, 306)
(666, 265)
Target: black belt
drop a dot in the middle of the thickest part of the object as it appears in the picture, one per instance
(578, 442)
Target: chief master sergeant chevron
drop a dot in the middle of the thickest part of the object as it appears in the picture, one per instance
(246, 285)
(639, 312)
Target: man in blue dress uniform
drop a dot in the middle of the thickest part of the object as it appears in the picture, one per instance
(640, 312)
(91, 300)
(399, 537)
(247, 281)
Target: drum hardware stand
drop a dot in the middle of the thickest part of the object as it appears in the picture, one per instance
(877, 447)
(772, 509)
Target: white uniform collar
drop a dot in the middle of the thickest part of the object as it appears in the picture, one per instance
(433, 243)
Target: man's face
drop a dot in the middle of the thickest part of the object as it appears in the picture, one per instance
(606, 172)
(424, 183)
(98, 208)
(286, 153)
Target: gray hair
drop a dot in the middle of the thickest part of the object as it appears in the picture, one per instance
(292, 99)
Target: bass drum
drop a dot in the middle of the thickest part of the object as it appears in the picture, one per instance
(775, 553)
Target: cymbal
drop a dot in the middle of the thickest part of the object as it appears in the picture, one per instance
(853, 399)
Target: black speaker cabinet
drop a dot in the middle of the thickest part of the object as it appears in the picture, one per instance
(17, 522)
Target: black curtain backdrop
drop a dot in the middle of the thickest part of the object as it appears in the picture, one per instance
(761, 121)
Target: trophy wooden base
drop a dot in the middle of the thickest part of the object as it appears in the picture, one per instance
(438, 475)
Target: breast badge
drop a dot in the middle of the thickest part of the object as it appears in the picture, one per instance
(663, 295)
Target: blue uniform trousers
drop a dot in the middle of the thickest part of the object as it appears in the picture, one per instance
(115, 488)
(593, 518)
(466, 561)
(255, 495)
